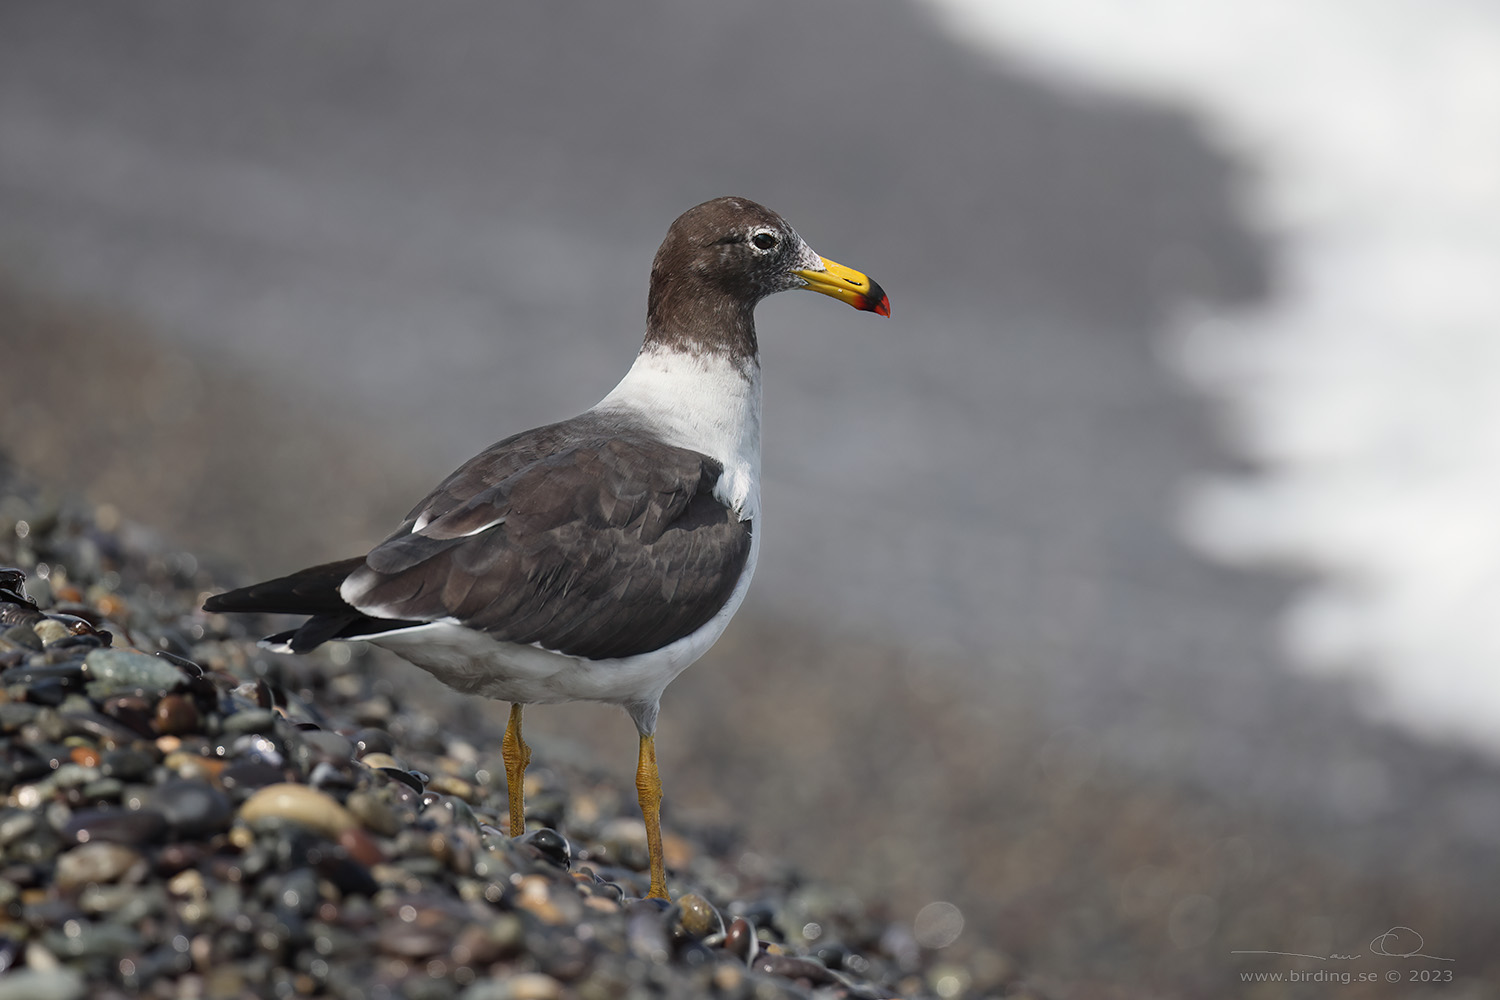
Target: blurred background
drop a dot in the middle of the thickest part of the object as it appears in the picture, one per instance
(1131, 589)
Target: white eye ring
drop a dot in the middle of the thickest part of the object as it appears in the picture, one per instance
(764, 240)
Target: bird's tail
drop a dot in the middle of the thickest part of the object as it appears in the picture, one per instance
(314, 592)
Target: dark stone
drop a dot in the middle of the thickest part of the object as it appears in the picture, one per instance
(22, 635)
(49, 692)
(245, 776)
(127, 764)
(348, 876)
(373, 741)
(108, 731)
(550, 846)
(194, 808)
(14, 715)
(72, 672)
(89, 640)
(131, 710)
(404, 777)
(794, 968)
(136, 827)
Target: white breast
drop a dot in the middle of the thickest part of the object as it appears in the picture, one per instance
(705, 402)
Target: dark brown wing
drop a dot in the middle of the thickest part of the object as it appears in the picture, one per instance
(590, 540)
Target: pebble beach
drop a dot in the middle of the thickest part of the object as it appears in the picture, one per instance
(187, 815)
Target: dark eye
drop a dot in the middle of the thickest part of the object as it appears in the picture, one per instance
(765, 241)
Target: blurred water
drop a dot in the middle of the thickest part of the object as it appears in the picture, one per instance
(1365, 389)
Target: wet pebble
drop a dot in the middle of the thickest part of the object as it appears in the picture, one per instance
(194, 808)
(95, 862)
(550, 845)
(120, 671)
(38, 984)
(368, 741)
(133, 827)
(699, 918)
(176, 714)
(124, 870)
(301, 805)
(740, 940)
(246, 776)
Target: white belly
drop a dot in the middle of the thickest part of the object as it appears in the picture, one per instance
(474, 663)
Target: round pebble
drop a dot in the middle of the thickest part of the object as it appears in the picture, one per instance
(301, 805)
(699, 918)
(194, 808)
(43, 984)
(175, 715)
(94, 862)
(134, 827)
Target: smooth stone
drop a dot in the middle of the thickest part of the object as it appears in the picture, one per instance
(109, 731)
(407, 778)
(246, 776)
(301, 805)
(483, 944)
(194, 808)
(699, 918)
(50, 630)
(23, 636)
(250, 720)
(551, 845)
(790, 967)
(15, 714)
(447, 784)
(361, 847)
(522, 986)
(94, 862)
(380, 760)
(72, 673)
(17, 823)
(176, 714)
(118, 671)
(318, 746)
(126, 764)
(37, 984)
(132, 827)
(374, 813)
(740, 941)
(103, 938)
(349, 876)
(368, 741)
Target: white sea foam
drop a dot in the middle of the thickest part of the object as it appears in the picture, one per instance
(1367, 391)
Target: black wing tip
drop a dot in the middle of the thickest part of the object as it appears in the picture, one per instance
(218, 603)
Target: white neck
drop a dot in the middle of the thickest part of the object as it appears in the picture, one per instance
(706, 402)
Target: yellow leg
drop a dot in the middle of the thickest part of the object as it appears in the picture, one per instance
(516, 755)
(648, 787)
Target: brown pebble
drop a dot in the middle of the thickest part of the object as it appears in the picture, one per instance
(361, 846)
(175, 715)
(741, 941)
(87, 756)
(699, 918)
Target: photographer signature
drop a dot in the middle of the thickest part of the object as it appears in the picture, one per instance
(1398, 942)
